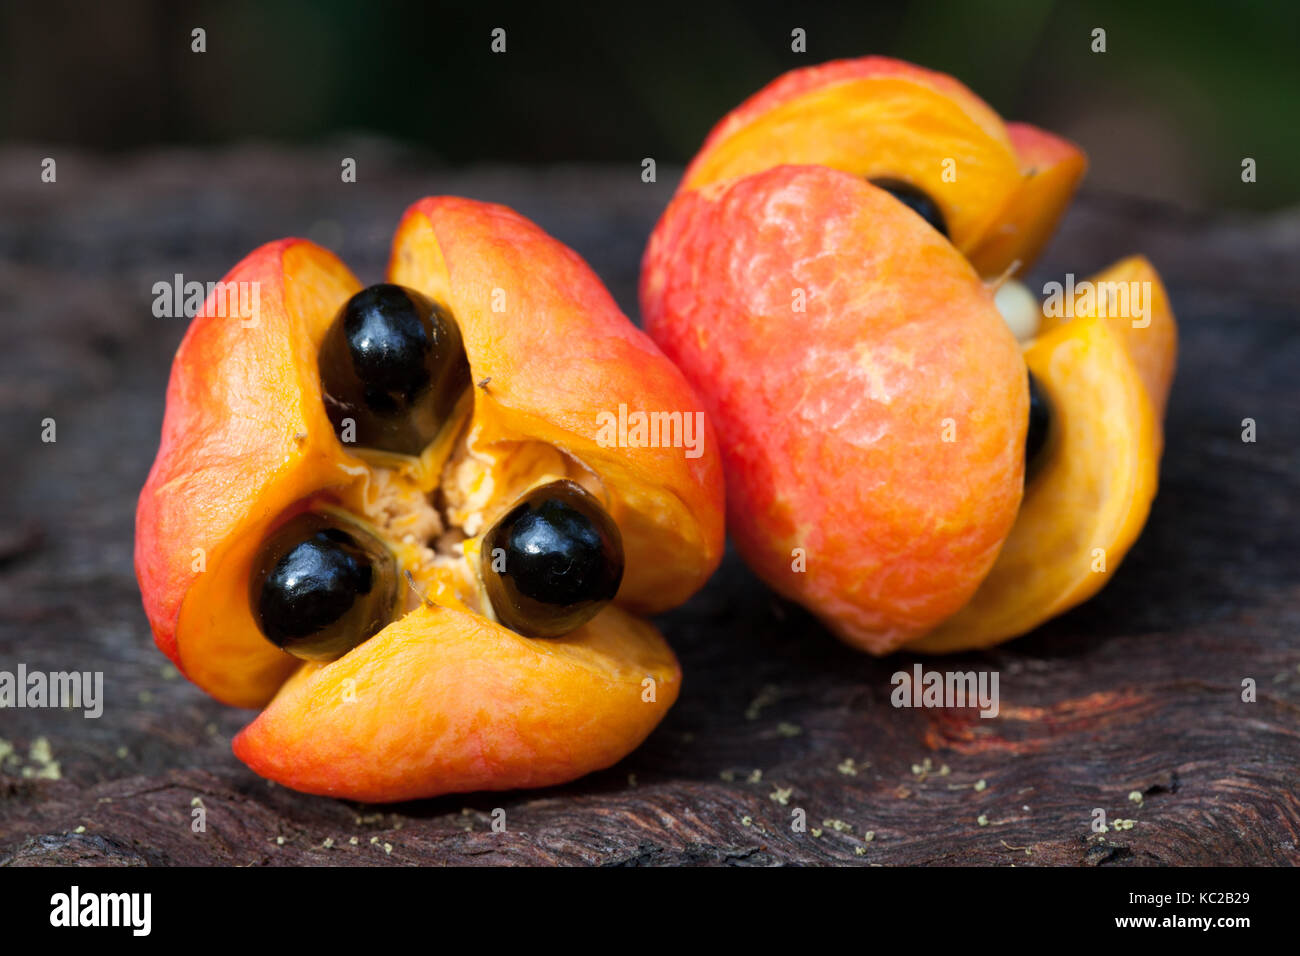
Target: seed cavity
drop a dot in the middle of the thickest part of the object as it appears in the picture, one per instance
(915, 199)
(1038, 437)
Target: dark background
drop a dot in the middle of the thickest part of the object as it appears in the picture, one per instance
(1182, 94)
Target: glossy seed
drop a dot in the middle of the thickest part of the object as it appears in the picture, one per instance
(915, 199)
(393, 364)
(1038, 436)
(320, 587)
(552, 562)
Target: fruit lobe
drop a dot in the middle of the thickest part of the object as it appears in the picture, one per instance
(1001, 187)
(244, 438)
(443, 701)
(873, 117)
(1052, 169)
(1151, 339)
(837, 338)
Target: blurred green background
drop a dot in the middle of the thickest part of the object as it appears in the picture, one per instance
(1182, 94)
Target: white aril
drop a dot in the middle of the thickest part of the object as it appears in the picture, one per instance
(1020, 309)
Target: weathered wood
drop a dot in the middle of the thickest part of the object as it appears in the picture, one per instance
(1139, 691)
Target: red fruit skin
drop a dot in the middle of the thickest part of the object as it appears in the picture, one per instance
(832, 420)
(215, 378)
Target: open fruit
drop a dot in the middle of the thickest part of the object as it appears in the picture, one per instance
(817, 278)
(390, 513)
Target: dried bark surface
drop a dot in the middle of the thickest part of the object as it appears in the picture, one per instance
(1138, 692)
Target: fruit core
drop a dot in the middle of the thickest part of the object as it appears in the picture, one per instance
(439, 513)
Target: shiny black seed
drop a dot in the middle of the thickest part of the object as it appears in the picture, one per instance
(318, 588)
(552, 562)
(394, 363)
(1039, 434)
(917, 200)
